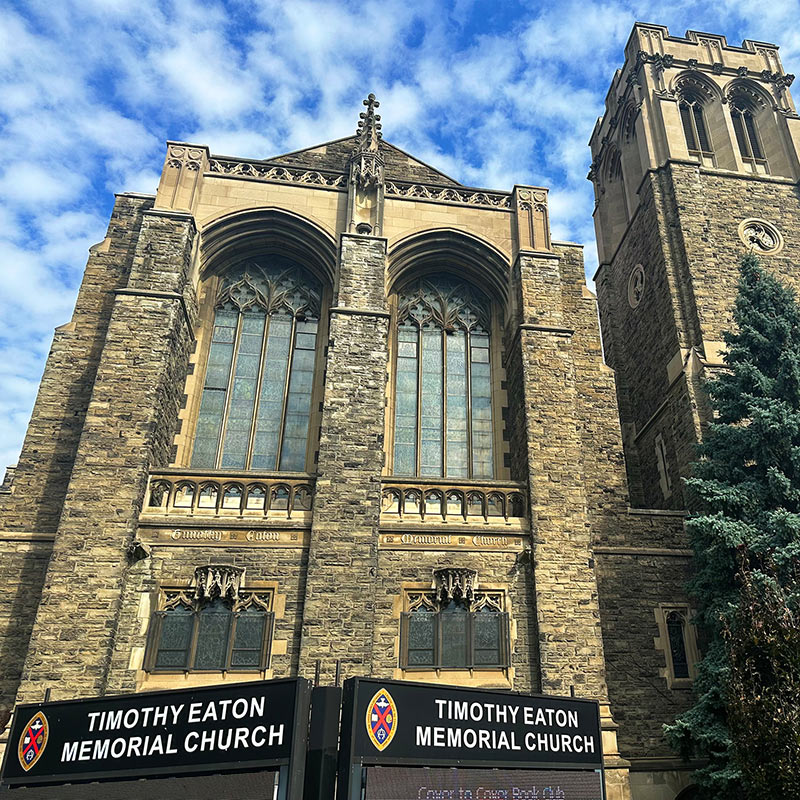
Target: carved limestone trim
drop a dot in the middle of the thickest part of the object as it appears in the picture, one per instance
(271, 172)
(455, 583)
(218, 580)
(448, 194)
(760, 236)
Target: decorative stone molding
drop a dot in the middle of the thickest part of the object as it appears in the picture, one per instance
(453, 583)
(636, 285)
(220, 580)
(449, 194)
(271, 172)
(760, 236)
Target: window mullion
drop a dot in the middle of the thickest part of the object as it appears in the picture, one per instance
(286, 392)
(468, 365)
(231, 639)
(444, 403)
(257, 399)
(229, 389)
(418, 448)
(193, 643)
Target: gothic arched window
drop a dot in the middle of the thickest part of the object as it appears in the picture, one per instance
(744, 126)
(443, 386)
(256, 403)
(694, 125)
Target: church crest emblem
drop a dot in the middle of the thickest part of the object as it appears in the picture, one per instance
(381, 719)
(33, 740)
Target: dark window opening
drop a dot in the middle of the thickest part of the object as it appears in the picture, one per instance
(213, 636)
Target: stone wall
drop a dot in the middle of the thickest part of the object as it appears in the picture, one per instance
(631, 588)
(173, 566)
(339, 612)
(51, 441)
(129, 426)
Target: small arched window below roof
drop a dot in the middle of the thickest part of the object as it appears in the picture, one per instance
(694, 126)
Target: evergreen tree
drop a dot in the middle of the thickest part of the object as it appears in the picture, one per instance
(745, 502)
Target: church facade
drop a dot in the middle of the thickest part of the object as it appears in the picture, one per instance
(334, 413)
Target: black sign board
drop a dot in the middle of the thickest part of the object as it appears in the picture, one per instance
(392, 723)
(440, 783)
(241, 726)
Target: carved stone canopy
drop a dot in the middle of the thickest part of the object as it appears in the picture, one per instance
(455, 583)
(218, 580)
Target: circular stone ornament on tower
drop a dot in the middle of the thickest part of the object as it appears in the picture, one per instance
(636, 286)
(760, 236)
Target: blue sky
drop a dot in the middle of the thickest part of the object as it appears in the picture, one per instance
(491, 92)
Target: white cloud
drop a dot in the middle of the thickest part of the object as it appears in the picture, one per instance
(91, 89)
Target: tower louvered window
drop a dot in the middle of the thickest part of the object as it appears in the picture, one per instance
(744, 125)
(694, 126)
(256, 402)
(443, 390)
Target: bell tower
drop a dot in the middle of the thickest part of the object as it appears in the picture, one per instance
(695, 162)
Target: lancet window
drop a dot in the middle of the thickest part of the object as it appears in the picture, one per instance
(443, 385)
(694, 125)
(256, 403)
(746, 130)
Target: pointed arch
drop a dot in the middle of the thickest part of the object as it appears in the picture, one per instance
(466, 255)
(253, 232)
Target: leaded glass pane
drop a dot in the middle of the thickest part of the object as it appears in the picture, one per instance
(421, 638)
(451, 441)
(243, 392)
(293, 452)
(453, 622)
(405, 430)
(212, 636)
(457, 444)
(677, 645)
(249, 639)
(175, 639)
(482, 434)
(212, 405)
(486, 632)
(431, 403)
(273, 386)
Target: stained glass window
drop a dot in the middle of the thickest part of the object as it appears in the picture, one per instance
(216, 635)
(256, 402)
(455, 633)
(443, 384)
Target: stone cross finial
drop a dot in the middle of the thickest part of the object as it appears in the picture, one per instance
(369, 127)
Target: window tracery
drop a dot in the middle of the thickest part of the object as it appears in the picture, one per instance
(694, 124)
(256, 402)
(454, 625)
(443, 398)
(744, 107)
(216, 625)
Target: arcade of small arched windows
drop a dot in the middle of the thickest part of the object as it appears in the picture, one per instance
(179, 495)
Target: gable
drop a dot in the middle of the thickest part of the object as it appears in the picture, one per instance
(335, 156)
